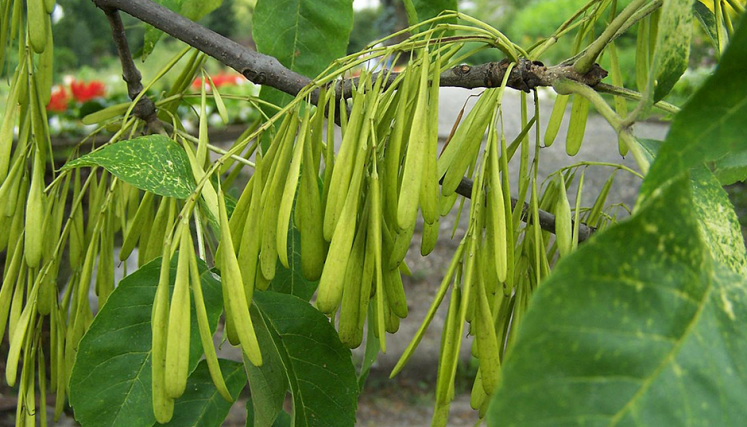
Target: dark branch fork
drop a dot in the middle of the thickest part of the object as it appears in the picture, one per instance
(266, 70)
(145, 109)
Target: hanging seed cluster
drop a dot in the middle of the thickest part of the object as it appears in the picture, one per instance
(355, 208)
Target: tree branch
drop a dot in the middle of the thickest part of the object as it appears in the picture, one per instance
(256, 67)
(525, 76)
(546, 219)
(145, 108)
(267, 70)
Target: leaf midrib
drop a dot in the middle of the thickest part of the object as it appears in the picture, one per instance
(118, 411)
(271, 326)
(295, 37)
(213, 396)
(667, 359)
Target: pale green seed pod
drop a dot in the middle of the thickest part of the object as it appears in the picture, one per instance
(219, 104)
(133, 233)
(350, 303)
(11, 274)
(37, 17)
(309, 207)
(450, 343)
(330, 283)
(271, 199)
(234, 289)
(429, 192)
(8, 125)
(429, 238)
(45, 70)
(496, 213)
(344, 165)
(177, 342)
(35, 213)
(477, 395)
(487, 341)
(206, 337)
(289, 192)
(412, 172)
(563, 225)
(556, 117)
(105, 114)
(577, 125)
(163, 405)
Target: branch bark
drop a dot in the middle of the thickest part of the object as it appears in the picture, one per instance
(546, 219)
(256, 67)
(525, 76)
(267, 70)
(145, 108)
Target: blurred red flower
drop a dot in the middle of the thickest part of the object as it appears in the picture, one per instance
(83, 92)
(58, 100)
(222, 79)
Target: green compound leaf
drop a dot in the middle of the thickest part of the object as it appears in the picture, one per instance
(304, 35)
(707, 21)
(711, 124)
(650, 147)
(283, 419)
(672, 45)
(201, 405)
(190, 9)
(152, 163)
(427, 9)
(731, 168)
(317, 366)
(290, 280)
(111, 380)
(637, 327)
(717, 221)
(268, 383)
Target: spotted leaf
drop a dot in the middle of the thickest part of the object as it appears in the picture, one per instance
(152, 163)
(639, 326)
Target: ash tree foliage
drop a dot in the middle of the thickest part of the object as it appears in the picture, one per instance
(580, 317)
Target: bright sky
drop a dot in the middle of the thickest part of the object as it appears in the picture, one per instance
(364, 4)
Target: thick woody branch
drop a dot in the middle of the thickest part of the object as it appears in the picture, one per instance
(267, 70)
(525, 76)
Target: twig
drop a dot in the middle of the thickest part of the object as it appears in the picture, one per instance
(637, 15)
(257, 67)
(216, 149)
(589, 57)
(145, 108)
(634, 96)
(546, 219)
(566, 87)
